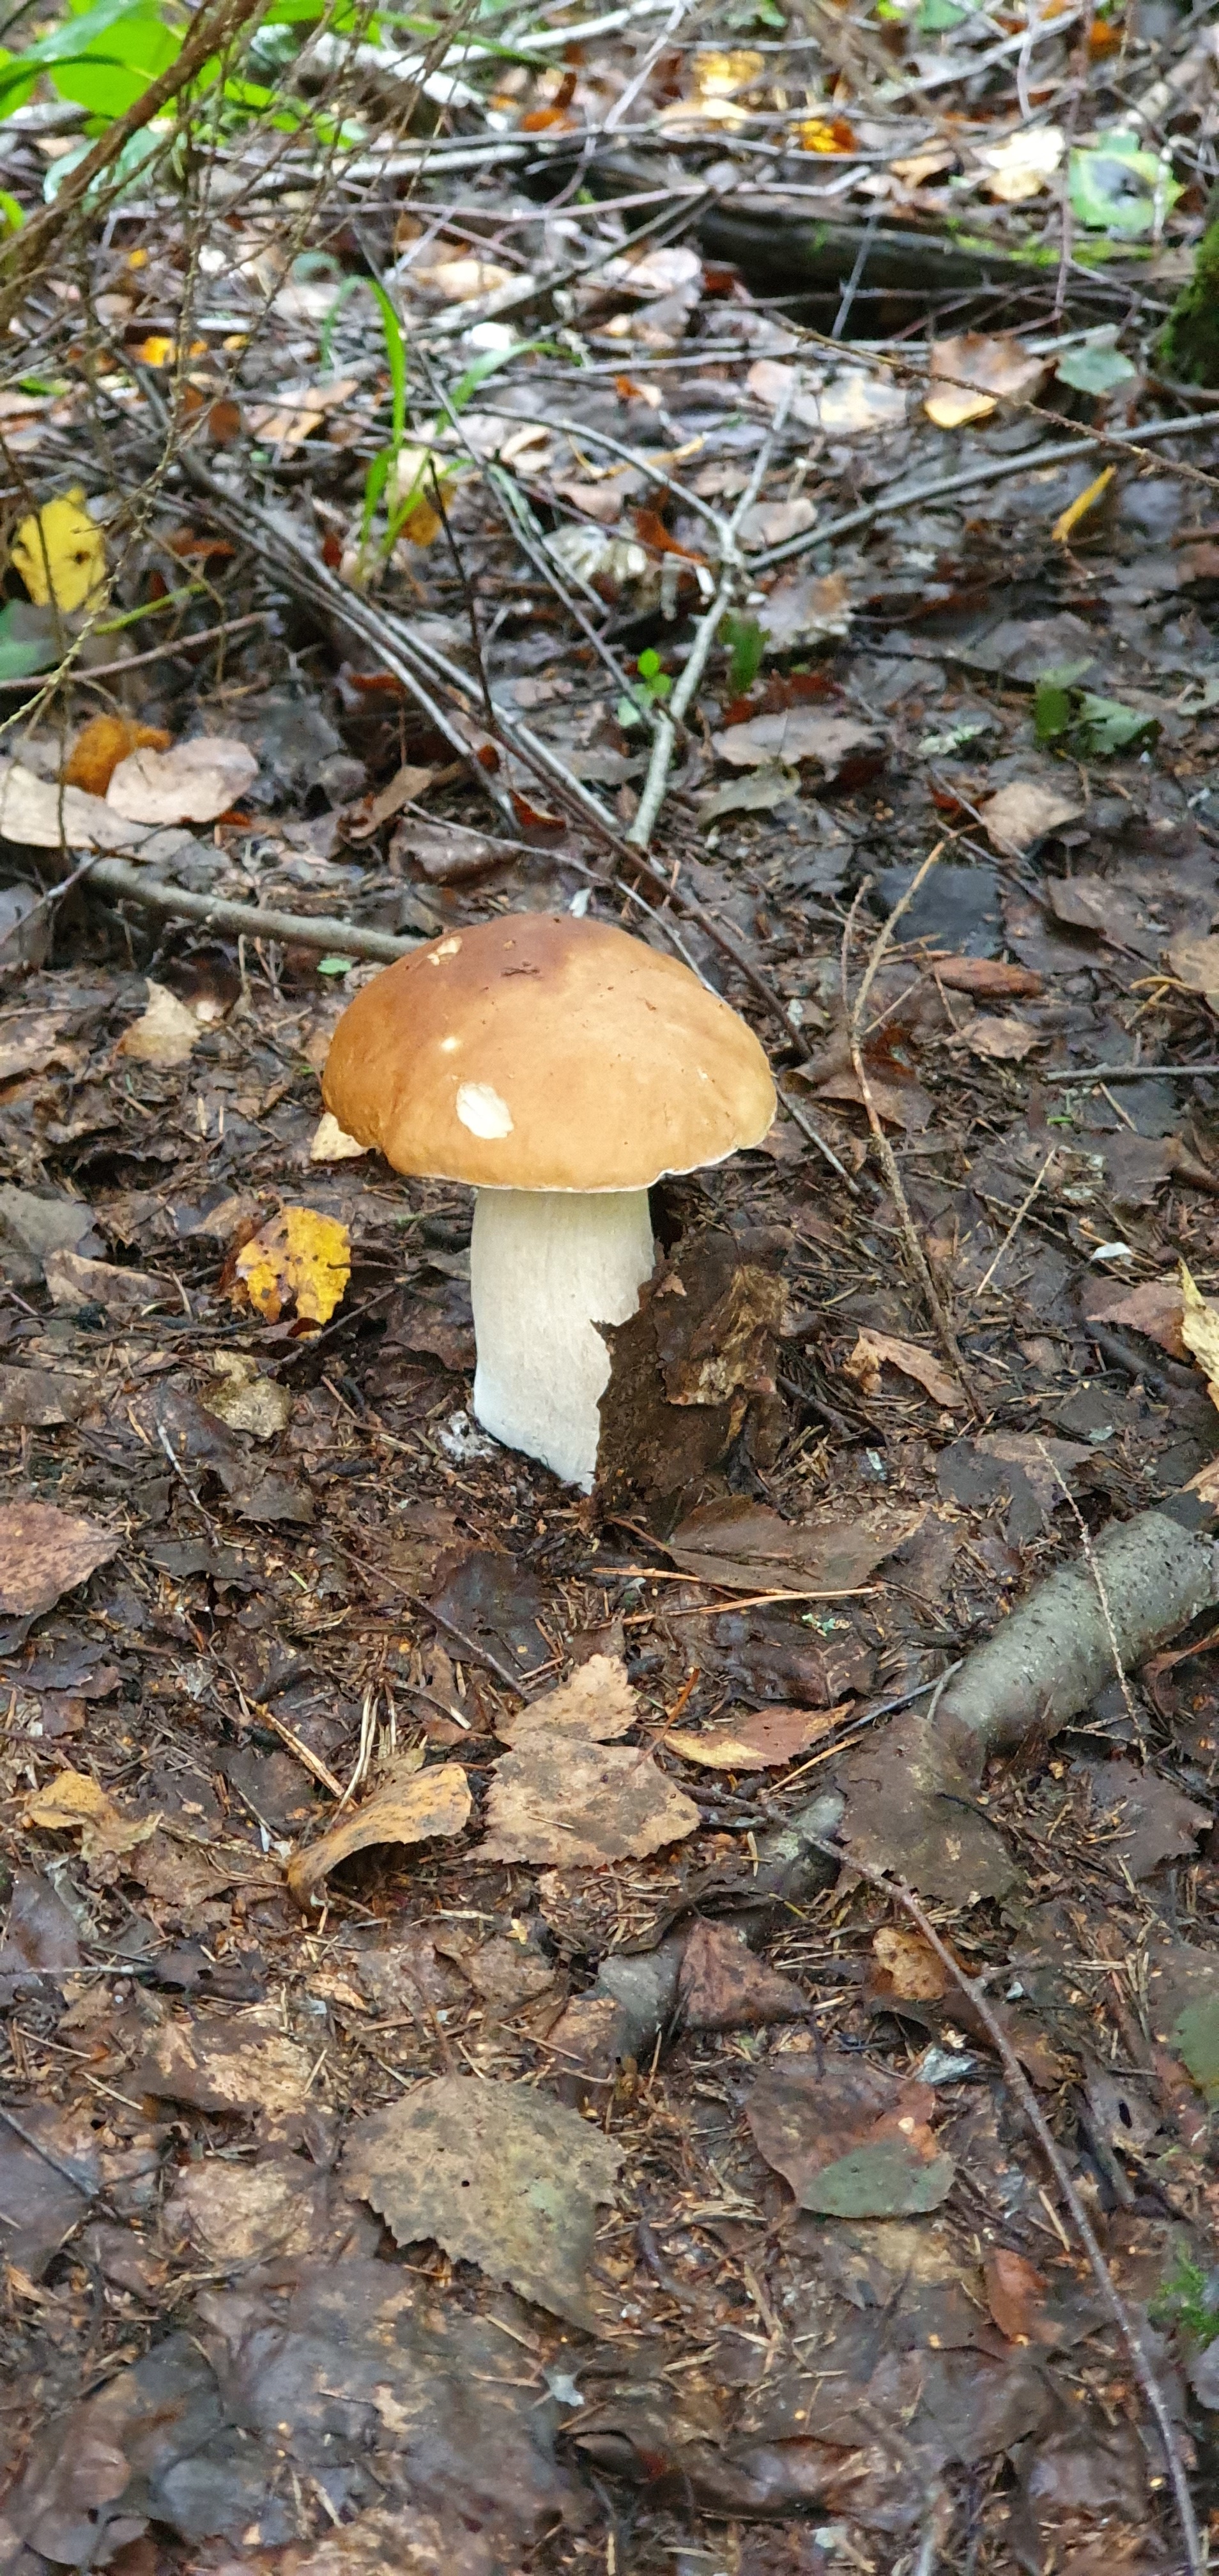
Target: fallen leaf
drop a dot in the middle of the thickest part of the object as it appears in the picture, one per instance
(100, 746)
(192, 782)
(33, 1399)
(989, 979)
(1000, 1041)
(1200, 1331)
(577, 1805)
(805, 608)
(31, 1041)
(794, 735)
(75, 1802)
(329, 1142)
(60, 553)
(596, 1704)
(298, 410)
(297, 1257)
(1024, 811)
(73, 1281)
(763, 1739)
(911, 1809)
(227, 2067)
(460, 280)
(721, 1986)
(745, 1547)
(48, 816)
(45, 1552)
(240, 1396)
(1015, 2295)
(908, 1967)
(228, 2216)
(1022, 165)
(850, 2139)
(409, 1807)
(1195, 963)
(770, 382)
(973, 373)
(756, 791)
(166, 1034)
(498, 2175)
(1155, 1307)
(862, 401)
(1144, 1820)
(872, 1349)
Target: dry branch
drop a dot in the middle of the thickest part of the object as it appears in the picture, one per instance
(299, 930)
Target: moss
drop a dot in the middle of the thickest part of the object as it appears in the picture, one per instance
(1188, 346)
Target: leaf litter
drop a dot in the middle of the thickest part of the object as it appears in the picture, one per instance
(349, 1763)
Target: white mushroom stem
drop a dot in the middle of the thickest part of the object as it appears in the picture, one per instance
(546, 1267)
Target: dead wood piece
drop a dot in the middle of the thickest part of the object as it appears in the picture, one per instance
(300, 930)
(635, 1998)
(1055, 1651)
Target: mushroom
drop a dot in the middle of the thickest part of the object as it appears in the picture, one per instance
(561, 1067)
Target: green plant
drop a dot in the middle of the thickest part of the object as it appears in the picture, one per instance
(1184, 2299)
(1084, 724)
(746, 646)
(648, 691)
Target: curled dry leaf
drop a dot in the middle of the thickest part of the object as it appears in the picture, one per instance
(45, 1552)
(410, 1807)
(192, 782)
(762, 1739)
(498, 2175)
(873, 1349)
(298, 1257)
(972, 374)
(596, 1704)
(166, 1034)
(577, 1805)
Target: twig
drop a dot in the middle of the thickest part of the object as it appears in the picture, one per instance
(312, 1762)
(1029, 460)
(470, 1646)
(1023, 2094)
(54, 894)
(300, 930)
(81, 675)
(826, 1152)
(669, 718)
(1137, 1073)
(885, 1154)
(1016, 1223)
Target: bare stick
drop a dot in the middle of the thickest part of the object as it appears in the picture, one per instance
(1022, 2092)
(668, 718)
(1016, 1223)
(299, 930)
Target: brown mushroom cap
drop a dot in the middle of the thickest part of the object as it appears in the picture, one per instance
(538, 1052)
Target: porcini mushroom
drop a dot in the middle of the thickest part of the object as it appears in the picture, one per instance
(560, 1067)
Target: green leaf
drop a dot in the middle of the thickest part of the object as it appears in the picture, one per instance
(1051, 711)
(888, 2179)
(747, 646)
(1096, 367)
(22, 650)
(335, 965)
(648, 665)
(1116, 187)
(1196, 2039)
(1102, 726)
(935, 17)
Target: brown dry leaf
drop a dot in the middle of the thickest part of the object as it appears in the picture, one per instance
(192, 782)
(298, 410)
(911, 1809)
(897, 1098)
(1200, 1331)
(851, 2140)
(907, 1965)
(795, 734)
(1001, 1041)
(1155, 1307)
(989, 979)
(1024, 811)
(498, 2175)
(578, 1805)
(972, 374)
(227, 2215)
(31, 1041)
(747, 1548)
(721, 1986)
(596, 1704)
(296, 1257)
(239, 1395)
(1195, 963)
(410, 1807)
(764, 1739)
(1015, 2295)
(872, 1349)
(166, 1034)
(45, 1552)
(105, 741)
(75, 1802)
(73, 1281)
(230, 2066)
(804, 608)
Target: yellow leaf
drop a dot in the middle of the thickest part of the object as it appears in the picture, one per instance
(60, 553)
(1200, 1331)
(297, 1257)
(73, 1798)
(402, 1810)
(971, 374)
(156, 351)
(423, 524)
(1069, 519)
(719, 75)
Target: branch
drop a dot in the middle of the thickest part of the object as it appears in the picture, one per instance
(301, 930)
